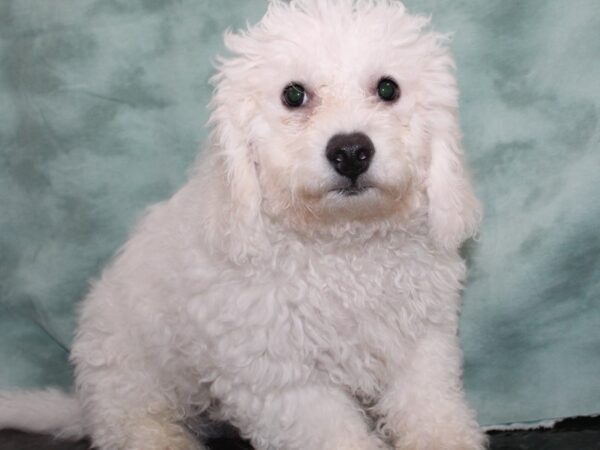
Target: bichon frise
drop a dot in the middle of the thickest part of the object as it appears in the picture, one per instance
(304, 285)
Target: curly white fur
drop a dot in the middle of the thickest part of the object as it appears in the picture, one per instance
(260, 295)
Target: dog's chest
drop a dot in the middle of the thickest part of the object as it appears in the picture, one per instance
(351, 313)
(361, 312)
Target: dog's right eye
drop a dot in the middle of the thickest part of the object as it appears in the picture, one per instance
(294, 95)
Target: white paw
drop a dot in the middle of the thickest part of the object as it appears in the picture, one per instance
(358, 443)
(446, 438)
(154, 436)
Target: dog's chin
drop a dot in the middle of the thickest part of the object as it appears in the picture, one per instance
(350, 191)
(320, 206)
(366, 202)
(353, 198)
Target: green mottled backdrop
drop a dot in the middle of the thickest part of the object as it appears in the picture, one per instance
(102, 108)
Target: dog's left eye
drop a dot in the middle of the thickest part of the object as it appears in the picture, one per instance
(388, 90)
(294, 95)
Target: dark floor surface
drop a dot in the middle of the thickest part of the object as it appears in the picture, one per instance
(570, 434)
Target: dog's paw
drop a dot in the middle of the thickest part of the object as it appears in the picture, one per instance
(356, 443)
(163, 436)
(165, 443)
(448, 438)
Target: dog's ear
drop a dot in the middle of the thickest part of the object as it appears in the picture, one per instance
(454, 211)
(232, 194)
(231, 120)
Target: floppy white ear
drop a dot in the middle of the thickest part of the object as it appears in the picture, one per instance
(231, 196)
(232, 118)
(454, 211)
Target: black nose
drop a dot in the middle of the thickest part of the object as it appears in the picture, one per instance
(350, 154)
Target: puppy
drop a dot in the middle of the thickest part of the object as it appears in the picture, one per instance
(304, 284)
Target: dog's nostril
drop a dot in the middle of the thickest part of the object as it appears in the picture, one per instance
(350, 154)
(339, 157)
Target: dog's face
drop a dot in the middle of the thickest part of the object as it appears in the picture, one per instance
(337, 110)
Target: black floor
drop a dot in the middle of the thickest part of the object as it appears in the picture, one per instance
(570, 434)
(580, 433)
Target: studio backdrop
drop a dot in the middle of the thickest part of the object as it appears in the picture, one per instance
(103, 107)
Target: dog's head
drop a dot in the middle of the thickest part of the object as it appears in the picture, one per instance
(331, 111)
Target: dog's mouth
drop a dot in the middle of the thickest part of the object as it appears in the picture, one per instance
(352, 190)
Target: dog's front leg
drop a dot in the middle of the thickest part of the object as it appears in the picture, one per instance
(125, 405)
(118, 424)
(311, 416)
(118, 418)
(424, 407)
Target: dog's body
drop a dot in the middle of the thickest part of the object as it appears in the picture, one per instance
(312, 305)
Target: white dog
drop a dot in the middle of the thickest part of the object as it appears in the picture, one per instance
(304, 284)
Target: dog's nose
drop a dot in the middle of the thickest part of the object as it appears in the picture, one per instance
(350, 154)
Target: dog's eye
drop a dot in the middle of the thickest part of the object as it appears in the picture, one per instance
(294, 95)
(388, 90)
